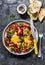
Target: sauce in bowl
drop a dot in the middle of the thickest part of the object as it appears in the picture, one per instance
(21, 9)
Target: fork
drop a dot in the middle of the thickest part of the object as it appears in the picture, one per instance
(40, 36)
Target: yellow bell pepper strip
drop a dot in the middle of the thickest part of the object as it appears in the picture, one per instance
(35, 47)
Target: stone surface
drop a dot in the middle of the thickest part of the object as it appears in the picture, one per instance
(6, 58)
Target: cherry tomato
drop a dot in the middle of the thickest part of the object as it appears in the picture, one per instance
(17, 49)
(16, 25)
(27, 25)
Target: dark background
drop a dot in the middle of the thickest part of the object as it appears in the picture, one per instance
(6, 58)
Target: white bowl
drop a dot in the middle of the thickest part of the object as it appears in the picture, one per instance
(24, 6)
(36, 33)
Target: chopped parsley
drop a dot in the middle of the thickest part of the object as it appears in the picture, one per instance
(29, 9)
(21, 39)
(26, 32)
(12, 16)
(11, 32)
(22, 47)
(12, 48)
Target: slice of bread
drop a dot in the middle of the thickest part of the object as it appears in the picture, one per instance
(33, 16)
(35, 6)
(41, 14)
(31, 1)
(39, 4)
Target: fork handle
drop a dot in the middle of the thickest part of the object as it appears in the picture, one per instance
(39, 55)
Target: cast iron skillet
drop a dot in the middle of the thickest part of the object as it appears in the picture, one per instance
(18, 21)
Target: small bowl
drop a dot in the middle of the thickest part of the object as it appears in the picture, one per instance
(21, 8)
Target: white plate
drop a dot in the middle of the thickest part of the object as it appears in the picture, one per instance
(36, 33)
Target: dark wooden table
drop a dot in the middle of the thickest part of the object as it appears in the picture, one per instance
(6, 58)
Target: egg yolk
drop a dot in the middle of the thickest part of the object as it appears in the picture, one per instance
(14, 38)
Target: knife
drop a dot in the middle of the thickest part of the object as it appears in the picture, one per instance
(32, 27)
(34, 36)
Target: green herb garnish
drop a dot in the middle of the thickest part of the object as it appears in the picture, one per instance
(13, 48)
(12, 16)
(31, 46)
(22, 47)
(21, 24)
(11, 32)
(26, 32)
(21, 39)
(29, 9)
